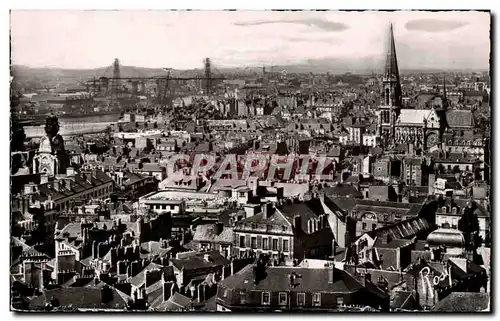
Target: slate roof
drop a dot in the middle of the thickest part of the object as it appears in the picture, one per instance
(80, 298)
(206, 233)
(464, 302)
(278, 279)
(459, 118)
(138, 280)
(413, 116)
(80, 182)
(342, 190)
(197, 261)
(177, 302)
(403, 229)
(403, 300)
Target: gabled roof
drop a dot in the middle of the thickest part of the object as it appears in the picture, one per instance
(413, 116)
(138, 280)
(459, 118)
(81, 298)
(207, 233)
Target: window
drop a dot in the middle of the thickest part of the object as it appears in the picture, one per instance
(243, 297)
(275, 244)
(242, 194)
(364, 226)
(172, 207)
(265, 244)
(283, 298)
(285, 245)
(316, 299)
(242, 241)
(386, 218)
(164, 206)
(374, 226)
(254, 226)
(254, 242)
(301, 299)
(266, 298)
(340, 301)
(284, 228)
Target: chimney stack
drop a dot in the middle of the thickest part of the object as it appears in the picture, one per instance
(265, 208)
(219, 226)
(70, 171)
(368, 277)
(56, 185)
(331, 271)
(168, 289)
(106, 294)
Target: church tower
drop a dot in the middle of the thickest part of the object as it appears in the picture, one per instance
(391, 93)
(51, 158)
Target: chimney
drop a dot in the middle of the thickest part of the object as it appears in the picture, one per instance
(168, 290)
(298, 223)
(56, 185)
(218, 228)
(264, 211)
(146, 277)
(94, 249)
(106, 294)
(29, 188)
(331, 272)
(386, 239)
(368, 278)
(201, 292)
(70, 171)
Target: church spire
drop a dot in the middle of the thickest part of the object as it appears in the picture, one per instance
(391, 63)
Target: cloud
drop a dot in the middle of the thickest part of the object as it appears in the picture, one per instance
(315, 23)
(331, 41)
(434, 25)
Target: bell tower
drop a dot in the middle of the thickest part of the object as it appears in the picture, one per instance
(391, 93)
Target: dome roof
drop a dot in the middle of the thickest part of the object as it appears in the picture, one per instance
(446, 236)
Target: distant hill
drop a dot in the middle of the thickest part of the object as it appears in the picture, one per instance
(334, 66)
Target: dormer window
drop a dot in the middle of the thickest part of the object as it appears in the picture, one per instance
(444, 209)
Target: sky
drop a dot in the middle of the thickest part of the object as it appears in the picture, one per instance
(182, 39)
